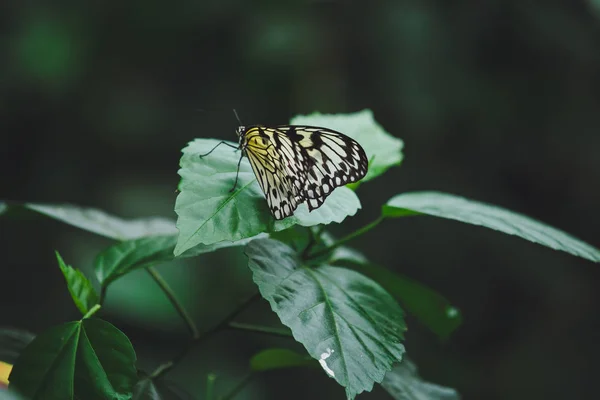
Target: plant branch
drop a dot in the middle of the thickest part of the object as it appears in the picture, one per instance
(102, 295)
(345, 239)
(163, 368)
(260, 329)
(164, 286)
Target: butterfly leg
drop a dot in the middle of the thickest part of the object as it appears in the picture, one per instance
(237, 174)
(218, 144)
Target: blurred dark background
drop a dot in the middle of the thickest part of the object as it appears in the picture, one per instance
(497, 100)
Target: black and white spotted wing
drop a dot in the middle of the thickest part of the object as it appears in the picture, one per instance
(334, 160)
(294, 164)
(280, 167)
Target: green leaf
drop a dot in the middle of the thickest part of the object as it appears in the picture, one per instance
(430, 307)
(148, 389)
(124, 257)
(96, 221)
(208, 213)
(81, 289)
(383, 150)
(270, 359)
(403, 383)
(89, 359)
(12, 342)
(351, 325)
(472, 212)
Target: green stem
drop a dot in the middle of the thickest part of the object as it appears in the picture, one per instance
(164, 286)
(238, 388)
(351, 236)
(92, 311)
(102, 295)
(210, 386)
(163, 368)
(260, 329)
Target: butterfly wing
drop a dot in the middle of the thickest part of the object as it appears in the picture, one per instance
(333, 160)
(280, 168)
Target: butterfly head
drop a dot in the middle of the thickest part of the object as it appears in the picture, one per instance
(240, 133)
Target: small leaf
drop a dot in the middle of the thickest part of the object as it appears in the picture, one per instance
(124, 257)
(81, 289)
(209, 213)
(148, 389)
(430, 307)
(403, 383)
(97, 221)
(279, 358)
(89, 359)
(347, 322)
(383, 150)
(472, 212)
(12, 342)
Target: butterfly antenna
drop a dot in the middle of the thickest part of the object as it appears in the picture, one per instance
(237, 117)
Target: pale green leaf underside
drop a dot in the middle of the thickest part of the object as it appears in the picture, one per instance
(473, 212)
(97, 221)
(209, 213)
(12, 343)
(383, 150)
(403, 383)
(346, 321)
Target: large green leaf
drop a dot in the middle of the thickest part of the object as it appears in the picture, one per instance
(81, 289)
(209, 213)
(96, 221)
(403, 383)
(124, 257)
(89, 359)
(473, 212)
(351, 325)
(383, 150)
(430, 307)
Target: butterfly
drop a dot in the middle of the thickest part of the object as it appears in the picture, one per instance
(297, 163)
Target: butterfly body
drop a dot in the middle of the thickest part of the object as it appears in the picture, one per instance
(296, 163)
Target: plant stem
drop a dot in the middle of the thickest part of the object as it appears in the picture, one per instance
(163, 368)
(164, 286)
(102, 295)
(92, 311)
(351, 236)
(237, 388)
(260, 329)
(210, 386)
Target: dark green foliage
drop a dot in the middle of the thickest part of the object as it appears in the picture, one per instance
(340, 306)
